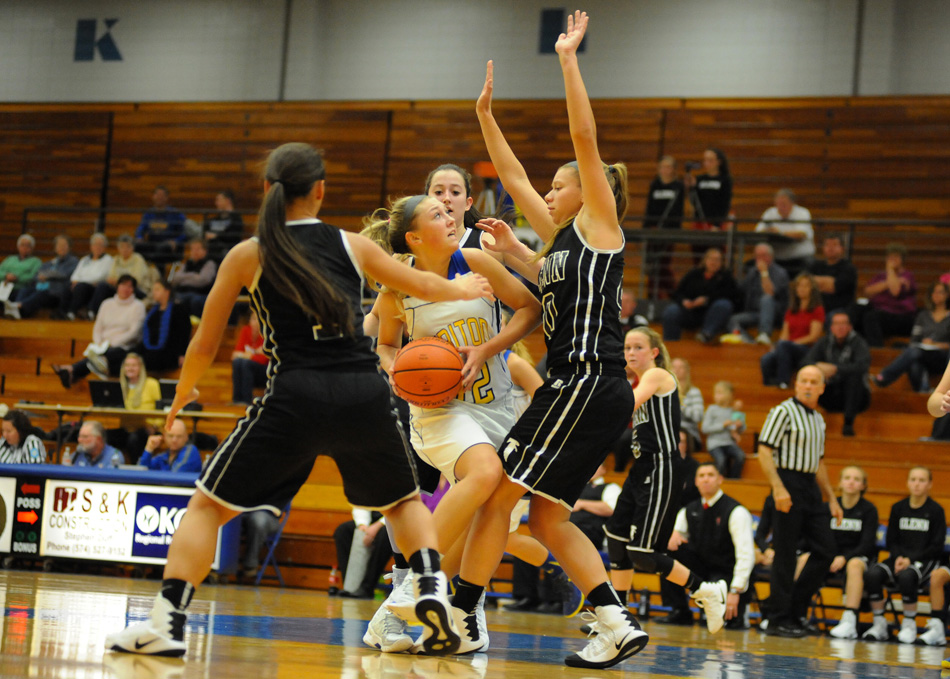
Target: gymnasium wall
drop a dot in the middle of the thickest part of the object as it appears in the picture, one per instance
(230, 50)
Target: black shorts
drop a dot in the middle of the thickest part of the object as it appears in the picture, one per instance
(565, 434)
(305, 413)
(648, 502)
(923, 569)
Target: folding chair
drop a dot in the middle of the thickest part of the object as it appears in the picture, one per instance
(271, 544)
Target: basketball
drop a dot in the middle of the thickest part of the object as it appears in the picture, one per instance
(427, 372)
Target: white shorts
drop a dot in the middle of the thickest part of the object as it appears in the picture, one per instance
(441, 435)
(518, 513)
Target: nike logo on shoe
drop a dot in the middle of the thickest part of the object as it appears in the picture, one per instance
(140, 646)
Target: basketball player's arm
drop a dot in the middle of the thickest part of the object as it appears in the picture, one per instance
(389, 340)
(783, 501)
(515, 254)
(513, 293)
(371, 320)
(938, 404)
(422, 284)
(525, 376)
(237, 271)
(510, 171)
(654, 380)
(597, 219)
(821, 476)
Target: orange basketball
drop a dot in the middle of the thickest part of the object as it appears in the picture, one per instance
(427, 372)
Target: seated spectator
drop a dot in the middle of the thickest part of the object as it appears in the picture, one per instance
(370, 529)
(688, 467)
(92, 270)
(664, 210)
(712, 537)
(723, 425)
(126, 262)
(916, 529)
(595, 505)
(691, 403)
(765, 293)
(803, 325)
(118, 328)
(248, 363)
(20, 269)
(836, 277)
(793, 221)
(929, 350)
(139, 392)
(892, 299)
(258, 527)
(192, 282)
(49, 287)
(93, 451)
(856, 538)
(161, 231)
(18, 442)
(166, 332)
(179, 455)
(224, 229)
(704, 298)
(843, 357)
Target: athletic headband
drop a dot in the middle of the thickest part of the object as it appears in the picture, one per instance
(410, 209)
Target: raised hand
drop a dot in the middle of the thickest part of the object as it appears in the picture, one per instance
(178, 403)
(483, 105)
(503, 238)
(567, 43)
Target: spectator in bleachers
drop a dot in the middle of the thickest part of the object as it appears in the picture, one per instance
(93, 451)
(370, 529)
(51, 283)
(803, 325)
(704, 298)
(836, 277)
(765, 298)
(892, 299)
(595, 505)
(723, 425)
(929, 350)
(248, 362)
(916, 530)
(691, 403)
(712, 536)
(139, 392)
(118, 328)
(856, 538)
(192, 282)
(126, 262)
(844, 358)
(161, 231)
(258, 526)
(166, 332)
(179, 455)
(18, 442)
(664, 210)
(793, 221)
(224, 229)
(92, 270)
(713, 192)
(20, 269)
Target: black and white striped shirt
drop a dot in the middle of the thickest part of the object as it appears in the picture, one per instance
(656, 426)
(796, 435)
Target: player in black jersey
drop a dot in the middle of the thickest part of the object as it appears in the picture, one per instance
(324, 396)
(856, 539)
(639, 530)
(585, 404)
(916, 530)
(938, 405)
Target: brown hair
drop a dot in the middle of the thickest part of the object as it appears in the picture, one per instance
(814, 300)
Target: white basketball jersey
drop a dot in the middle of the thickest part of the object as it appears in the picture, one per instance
(463, 323)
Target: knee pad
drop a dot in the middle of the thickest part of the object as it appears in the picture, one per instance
(907, 582)
(643, 562)
(617, 551)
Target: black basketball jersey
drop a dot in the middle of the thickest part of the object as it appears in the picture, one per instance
(292, 339)
(580, 297)
(472, 238)
(656, 426)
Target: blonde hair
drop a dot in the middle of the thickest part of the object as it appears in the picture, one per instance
(617, 179)
(132, 396)
(387, 227)
(662, 359)
(727, 385)
(864, 476)
(687, 382)
(519, 348)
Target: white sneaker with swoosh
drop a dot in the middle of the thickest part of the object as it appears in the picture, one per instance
(711, 597)
(618, 637)
(162, 634)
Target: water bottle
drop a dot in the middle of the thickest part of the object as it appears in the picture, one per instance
(334, 581)
(643, 610)
(67, 455)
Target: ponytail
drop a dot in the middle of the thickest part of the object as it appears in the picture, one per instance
(387, 227)
(292, 170)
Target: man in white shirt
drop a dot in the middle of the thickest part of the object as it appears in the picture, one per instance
(712, 537)
(794, 222)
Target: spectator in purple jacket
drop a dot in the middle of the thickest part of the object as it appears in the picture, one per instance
(892, 299)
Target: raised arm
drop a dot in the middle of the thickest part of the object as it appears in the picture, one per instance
(391, 328)
(938, 404)
(597, 219)
(510, 171)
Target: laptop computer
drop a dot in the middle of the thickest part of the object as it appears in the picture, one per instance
(106, 394)
(168, 389)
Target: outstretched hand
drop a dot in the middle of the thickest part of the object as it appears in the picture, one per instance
(502, 237)
(474, 286)
(177, 404)
(483, 105)
(567, 43)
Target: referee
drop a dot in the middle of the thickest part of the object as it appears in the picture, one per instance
(791, 447)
